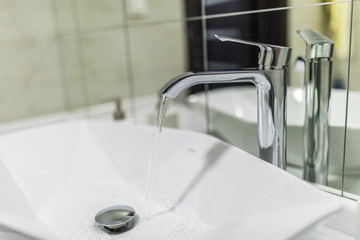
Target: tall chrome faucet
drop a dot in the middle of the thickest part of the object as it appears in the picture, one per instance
(270, 79)
(317, 87)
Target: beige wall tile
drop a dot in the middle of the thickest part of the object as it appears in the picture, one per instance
(104, 13)
(25, 16)
(105, 65)
(74, 85)
(64, 15)
(30, 81)
(158, 10)
(158, 54)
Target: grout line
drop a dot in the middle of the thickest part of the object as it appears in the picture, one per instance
(80, 54)
(60, 55)
(129, 63)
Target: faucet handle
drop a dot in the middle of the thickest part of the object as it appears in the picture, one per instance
(270, 57)
(317, 45)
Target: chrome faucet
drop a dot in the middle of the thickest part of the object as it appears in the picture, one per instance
(317, 87)
(270, 79)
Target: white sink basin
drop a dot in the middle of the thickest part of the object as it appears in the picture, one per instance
(342, 225)
(234, 118)
(57, 177)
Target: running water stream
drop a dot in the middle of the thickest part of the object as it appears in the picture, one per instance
(154, 153)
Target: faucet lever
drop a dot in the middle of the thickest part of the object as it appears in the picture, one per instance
(317, 45)
(271, 56)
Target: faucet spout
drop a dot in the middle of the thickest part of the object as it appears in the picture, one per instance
(178, 84)
(270, 79)
(271, 102)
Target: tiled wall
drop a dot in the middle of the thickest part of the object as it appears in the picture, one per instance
(109, 50)
(63, 54)
(30, 77)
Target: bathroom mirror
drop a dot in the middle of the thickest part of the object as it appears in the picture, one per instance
(351, 169)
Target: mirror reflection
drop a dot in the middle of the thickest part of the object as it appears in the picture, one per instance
(351, 174)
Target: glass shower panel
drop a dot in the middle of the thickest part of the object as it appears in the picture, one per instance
(352, 160)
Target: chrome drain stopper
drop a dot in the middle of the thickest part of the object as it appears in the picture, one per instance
(116, 219)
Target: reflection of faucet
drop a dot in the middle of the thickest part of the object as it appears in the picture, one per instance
(118, 114)
(270, 80)
(317, 87)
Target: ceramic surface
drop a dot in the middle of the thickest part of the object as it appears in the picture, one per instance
(58, 176)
